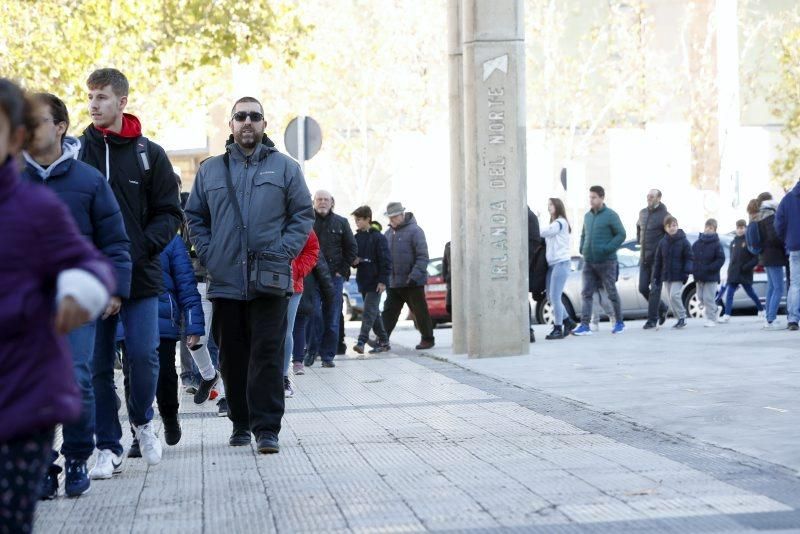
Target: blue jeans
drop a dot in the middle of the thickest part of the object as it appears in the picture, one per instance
(774, 291)
(556, 279)
(288, 345)
(793, 299)
(301, 321)
(748, 288)
(330, 334)
(140, 320)
(79, 436)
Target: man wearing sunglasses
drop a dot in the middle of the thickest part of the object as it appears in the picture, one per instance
(272, 215)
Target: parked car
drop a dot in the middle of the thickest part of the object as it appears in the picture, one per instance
(353, 301)
(634, 306)
(436, 293)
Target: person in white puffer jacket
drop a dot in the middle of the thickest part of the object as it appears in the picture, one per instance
(557, 236)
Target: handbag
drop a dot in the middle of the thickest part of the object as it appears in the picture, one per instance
(269, 274)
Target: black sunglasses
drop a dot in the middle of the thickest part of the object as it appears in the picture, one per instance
(241, 116)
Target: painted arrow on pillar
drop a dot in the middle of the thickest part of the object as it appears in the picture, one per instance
(498, 63)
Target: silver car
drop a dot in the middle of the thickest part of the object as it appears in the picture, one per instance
(634, 306)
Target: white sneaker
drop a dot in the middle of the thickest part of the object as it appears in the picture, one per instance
(762, 314)
(149, 443)
(595, 327)
(106, 466)
(724, 319)
(775, 325)
(709, 324)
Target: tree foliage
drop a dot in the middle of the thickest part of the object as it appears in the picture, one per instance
(175, 53)
(785, 100)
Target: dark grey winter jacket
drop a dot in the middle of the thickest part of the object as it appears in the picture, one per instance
(275, 204)
(409, 251)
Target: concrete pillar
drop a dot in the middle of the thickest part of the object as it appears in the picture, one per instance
(457, 184)
(496, 267)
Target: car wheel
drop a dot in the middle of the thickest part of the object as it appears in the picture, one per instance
(545, 313)
(692, 303)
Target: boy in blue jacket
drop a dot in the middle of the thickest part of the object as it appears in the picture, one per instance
(180, 304)
(374, 264)
(50, 159)
(708, 260)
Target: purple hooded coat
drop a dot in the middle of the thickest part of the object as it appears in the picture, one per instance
(38, 240)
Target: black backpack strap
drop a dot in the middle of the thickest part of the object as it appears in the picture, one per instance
(143, 156)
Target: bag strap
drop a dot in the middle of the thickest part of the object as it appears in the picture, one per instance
(231, 192)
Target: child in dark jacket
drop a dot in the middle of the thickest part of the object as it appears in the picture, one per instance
(673, 264)
(740, 272)
(180, 304)
(374, 264)
(708, 260)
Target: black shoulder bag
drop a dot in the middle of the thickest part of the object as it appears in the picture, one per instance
(269, 274)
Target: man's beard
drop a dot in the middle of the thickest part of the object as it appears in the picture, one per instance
(252, 140)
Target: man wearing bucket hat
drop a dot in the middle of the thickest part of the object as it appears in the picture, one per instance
(409, 251)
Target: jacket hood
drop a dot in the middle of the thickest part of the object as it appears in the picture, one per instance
(709, 238)
(69, 151)
(375, 225)
(767, 208)
(131, 128)
(409, 220)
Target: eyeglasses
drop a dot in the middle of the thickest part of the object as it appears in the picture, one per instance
(241, 116)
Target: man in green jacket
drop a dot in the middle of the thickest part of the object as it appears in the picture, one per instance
(602, 235)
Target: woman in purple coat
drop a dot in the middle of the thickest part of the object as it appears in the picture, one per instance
(51, 281)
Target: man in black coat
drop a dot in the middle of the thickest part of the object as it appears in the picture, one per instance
(649, 232)
(144, 184)
(337, 242)
(537, 264)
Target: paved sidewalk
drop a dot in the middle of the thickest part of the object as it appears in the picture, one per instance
(734, 385)
(404, 443)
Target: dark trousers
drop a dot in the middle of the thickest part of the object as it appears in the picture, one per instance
(250, 336)
(167, 390)
(78, 436)
(650, 292)
(300, 339)
(415, 298)
(23, 463)
(371, 318)
(598, 275)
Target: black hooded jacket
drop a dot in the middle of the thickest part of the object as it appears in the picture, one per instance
(150, 203)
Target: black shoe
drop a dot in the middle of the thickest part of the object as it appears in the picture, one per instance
(557, 333)
(373, 343)
(359, 348)
(533, 337)
(649, 325)
(328, 364)
(240, 437)
(568, 326)
(381, 347)
(204, 389)
(792, 326)
(135, 451)
(680, 324)
(309, 360)
(662, 317)
(341, 349)
(268, 443)
(222, 407)
(48, 488)
(172, 430)
(425, 345)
